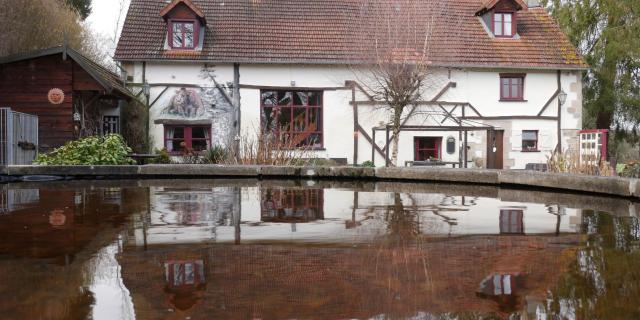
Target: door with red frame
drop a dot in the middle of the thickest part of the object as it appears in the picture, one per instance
(427, 148)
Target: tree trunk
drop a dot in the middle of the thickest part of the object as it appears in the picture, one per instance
(397, 115)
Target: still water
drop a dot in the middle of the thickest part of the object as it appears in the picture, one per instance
(246, 249)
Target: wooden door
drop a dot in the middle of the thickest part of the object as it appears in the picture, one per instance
(495, 149)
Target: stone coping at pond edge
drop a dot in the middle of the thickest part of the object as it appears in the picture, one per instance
(614, 186)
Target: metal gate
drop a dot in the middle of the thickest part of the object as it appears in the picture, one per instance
(18, 137)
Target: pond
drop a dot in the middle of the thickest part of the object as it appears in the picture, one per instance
(248, 249)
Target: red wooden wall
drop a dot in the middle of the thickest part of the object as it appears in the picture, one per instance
(24, 86)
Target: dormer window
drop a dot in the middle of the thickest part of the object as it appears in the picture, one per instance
(183, 34)
(503, 24)
(185, 25)
(500, 17)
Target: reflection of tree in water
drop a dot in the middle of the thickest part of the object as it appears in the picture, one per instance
(604, 280)
(403, 223)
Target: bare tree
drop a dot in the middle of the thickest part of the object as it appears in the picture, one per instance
(38, 24)
(394, 43)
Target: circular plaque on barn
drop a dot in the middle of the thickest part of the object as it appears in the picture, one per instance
(55, 96)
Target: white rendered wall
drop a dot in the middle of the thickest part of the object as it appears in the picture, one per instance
(480, 87)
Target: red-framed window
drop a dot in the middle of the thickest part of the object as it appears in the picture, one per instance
(179, 138)
(504, 24)
(426, 148)
(530, 140)
(294, 116)
(292, 205)
(511, 221)
(183, 34)
(512, 87)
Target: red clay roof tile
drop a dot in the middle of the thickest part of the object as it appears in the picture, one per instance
(323, 32)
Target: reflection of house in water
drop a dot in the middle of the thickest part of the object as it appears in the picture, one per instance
(14, 199)
(47, 247)
(186, 215)
(348, 282)
(511, 221)
(289, 205)
(185, 280)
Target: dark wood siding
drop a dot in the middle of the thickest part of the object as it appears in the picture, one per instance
(24, 86)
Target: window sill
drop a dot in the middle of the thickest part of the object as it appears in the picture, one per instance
(513, 100)
(530, 151)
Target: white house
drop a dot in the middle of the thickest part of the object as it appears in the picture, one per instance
(505, 84)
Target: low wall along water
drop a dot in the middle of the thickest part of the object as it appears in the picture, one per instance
(614, 186)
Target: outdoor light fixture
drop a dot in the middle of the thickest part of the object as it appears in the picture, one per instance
(76, 116)
(562, 97)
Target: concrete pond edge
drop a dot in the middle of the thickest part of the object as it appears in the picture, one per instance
(612, 186)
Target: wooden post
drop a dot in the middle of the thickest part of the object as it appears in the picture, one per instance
(386, 148)
(373, 147)
(464, 146)
(559, 113)
(355, 125)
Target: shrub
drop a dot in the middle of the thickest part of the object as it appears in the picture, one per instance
(568, 162)
(262, 148)
(163, 157)
(215, 155)
(367, 164)
(630, 170)
(95, 150)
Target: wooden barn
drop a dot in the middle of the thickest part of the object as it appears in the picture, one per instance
(72, 96)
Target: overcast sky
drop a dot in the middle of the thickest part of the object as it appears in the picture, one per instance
(104, 17)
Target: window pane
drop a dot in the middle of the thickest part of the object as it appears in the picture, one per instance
(175, 145)
(177, 35)
(178, 132)
(299, 120)
(188, 36)
(313, 141)
(199, 133)
(269, 98)
(285, 98)
(268, 119)
(507, 17)
(315, 119)
(515, 89)
(315, 98)
(507, 29)
(529, 135)
(199, 145)
(497, 25)
(505, 88)
(301, 98)
(285, 119)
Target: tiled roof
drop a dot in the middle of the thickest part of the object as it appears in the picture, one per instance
(323, 32)
(109, 80)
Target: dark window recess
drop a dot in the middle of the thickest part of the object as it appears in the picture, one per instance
(110, 124)
(292, 205)
(512, 87)
(511, 222)
(530, 140)
(178, 139)
(504, 25)
(451, 145)
(183, 34)
(295, 117)
(426, 148)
